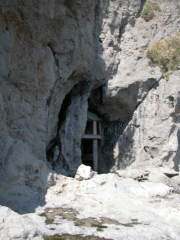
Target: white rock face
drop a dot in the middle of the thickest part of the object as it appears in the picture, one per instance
(15, 226)
(129, 210)
(126, 38)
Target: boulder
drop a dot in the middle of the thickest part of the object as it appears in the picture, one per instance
(156, 175)
(161, 175)
(84, 173)
(132, 173)
(15, 226)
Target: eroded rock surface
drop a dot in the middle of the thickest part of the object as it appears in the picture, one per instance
(151, 137)
(106, 206)
(59, 59)
(69, 56)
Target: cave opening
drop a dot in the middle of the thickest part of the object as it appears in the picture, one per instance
(79, 133)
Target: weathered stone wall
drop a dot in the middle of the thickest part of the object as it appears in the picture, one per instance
(151, 138)
(47, 50)
(137, 134)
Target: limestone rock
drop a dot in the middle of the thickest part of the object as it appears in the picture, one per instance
(59, 59)
(158, 177)
(132, 77)
(132, 173)
(109, 201)
(82, 55)
(15, 226)
(175, 181)
(161, 175)
(42, 59)
(150, 138)
(84, 173)
(169, 172)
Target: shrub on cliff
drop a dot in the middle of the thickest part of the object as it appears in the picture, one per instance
(166, 54)
(148, 10)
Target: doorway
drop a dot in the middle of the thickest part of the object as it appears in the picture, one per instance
(89, 143)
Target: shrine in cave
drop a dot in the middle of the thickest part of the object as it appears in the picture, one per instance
(90, 139)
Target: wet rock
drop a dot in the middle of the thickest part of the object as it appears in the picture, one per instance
(119, 209)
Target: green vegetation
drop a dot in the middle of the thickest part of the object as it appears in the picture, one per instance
(166, 54)
(148, 10)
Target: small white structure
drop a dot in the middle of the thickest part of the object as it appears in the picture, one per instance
(92, 135)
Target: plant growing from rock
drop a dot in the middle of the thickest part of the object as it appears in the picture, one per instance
(148, 10)
(166, 54)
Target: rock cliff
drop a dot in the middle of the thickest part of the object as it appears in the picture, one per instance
(60, 58)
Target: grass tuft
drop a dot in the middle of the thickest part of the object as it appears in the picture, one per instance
(166, 54)
(148, 10)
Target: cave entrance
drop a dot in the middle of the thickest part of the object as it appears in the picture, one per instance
(89, 143)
